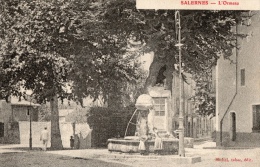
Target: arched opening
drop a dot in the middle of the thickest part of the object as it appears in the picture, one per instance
(233, 126)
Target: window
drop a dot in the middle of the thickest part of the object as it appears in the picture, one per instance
(159, 106)
(243, 77)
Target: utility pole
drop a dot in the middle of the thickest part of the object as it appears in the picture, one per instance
(29, 112)
(30, 132)
(30, 140)
(179, 45)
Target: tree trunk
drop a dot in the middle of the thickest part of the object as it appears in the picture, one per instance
(56, 143)
(156, 65)
(154, 69)
(169, 72)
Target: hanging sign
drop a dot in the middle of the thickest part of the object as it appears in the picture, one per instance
(199, 4)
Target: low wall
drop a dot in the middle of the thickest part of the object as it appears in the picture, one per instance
(66, 130)
(242, 140)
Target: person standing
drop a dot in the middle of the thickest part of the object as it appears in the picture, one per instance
(44, 138)
(158, 143)
(142, 147)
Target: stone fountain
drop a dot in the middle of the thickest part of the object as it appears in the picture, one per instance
(144, 129)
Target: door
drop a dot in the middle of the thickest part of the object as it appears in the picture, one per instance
(233, 126)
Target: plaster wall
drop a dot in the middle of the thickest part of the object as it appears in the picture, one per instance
(229, 81)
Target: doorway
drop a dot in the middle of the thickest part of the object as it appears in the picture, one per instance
(233, 126)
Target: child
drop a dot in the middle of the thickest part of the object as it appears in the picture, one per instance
(158, 144)
(142, 147)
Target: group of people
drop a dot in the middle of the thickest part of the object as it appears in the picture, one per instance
(44, 137)
(158, 143)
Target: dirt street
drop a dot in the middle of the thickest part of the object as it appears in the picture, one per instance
(41, 159)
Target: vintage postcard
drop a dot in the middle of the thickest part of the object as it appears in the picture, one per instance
(141, 83)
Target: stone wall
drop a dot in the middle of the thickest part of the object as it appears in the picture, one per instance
(66, 129)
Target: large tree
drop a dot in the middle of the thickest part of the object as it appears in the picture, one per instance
(206, 36)
(46, 45)
(30, 54)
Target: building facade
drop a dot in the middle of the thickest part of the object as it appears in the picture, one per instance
(238, 89)
(195, 125)
(10, 114)
(166, 110)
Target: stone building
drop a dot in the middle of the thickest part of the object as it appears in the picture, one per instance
(166, 106)
(10, 114)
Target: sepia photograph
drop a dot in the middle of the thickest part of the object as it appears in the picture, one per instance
(129, 83)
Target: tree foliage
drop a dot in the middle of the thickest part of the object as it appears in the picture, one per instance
(44, 45)
(204, 99)
(206, 36)
(64, 41)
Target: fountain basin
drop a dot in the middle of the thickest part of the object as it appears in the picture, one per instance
(170, 145)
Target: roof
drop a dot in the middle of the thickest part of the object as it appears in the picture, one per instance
(15, 102)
